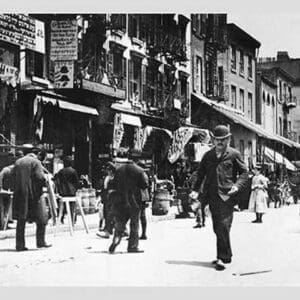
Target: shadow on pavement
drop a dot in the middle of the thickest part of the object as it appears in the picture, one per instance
(204, 264)
(14, 250)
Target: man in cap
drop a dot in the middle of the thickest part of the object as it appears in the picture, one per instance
(225, 175)
(29, 180)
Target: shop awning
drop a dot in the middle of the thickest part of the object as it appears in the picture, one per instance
(274, 156)
(69, 105)
(239, 119)
(131, 120)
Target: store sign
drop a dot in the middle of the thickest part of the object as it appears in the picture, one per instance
(64, 74)
(118, 131)
(9, 74)
(64, 44)
(22, 30)
(180, 139)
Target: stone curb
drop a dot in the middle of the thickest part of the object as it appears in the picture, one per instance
(30, 229)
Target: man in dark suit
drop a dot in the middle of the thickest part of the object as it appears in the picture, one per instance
(28, 178)
(67, 183)
(129, 180)
(225, 175)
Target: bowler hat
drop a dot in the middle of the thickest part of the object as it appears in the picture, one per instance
(221, 132)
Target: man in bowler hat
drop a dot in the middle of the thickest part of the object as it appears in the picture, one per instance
(225, 175)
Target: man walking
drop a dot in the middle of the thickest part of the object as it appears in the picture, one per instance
(29, 180)
(129, 180)
(225, 175)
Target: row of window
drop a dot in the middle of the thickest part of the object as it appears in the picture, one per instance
(239, 103)
(268, 99)
(239, 54)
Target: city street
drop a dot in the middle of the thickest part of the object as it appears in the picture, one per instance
(175, 255)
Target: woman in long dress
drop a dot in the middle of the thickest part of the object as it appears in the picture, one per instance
(258, 197)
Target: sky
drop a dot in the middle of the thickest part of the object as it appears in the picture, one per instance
(275, 31)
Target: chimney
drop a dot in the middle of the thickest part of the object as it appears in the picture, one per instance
(283, 56)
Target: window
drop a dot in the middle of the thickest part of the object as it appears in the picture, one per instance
(268, 99)
(280, 90)
(119, 68)
(233, 58)
(198, 75)
(250, 106)
(233, 96)
(151, 86)
(250, 70)
(250, 154)
(134, 24)
(289, 126)
(183, 88)
(241, 62)
(34, 64)
(273, 101)
(135, 77)
(118, 21)
(242, 100)
(242, 149)
(264, 96)
(221, 82)
(280, 126)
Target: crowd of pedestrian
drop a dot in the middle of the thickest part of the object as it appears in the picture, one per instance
(219, 181)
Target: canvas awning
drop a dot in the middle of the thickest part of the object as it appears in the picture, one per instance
(68, 105)
(274, 156)
(237, 118)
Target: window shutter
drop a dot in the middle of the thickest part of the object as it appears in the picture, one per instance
(130, 77)
(123, 73)
(194, 23)
(110, 59)
(29, 63)
(144, 83)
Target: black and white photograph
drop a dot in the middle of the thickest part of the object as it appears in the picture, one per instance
(149, 149)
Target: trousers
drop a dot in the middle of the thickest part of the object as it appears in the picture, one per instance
(222, 217)
(20, 234)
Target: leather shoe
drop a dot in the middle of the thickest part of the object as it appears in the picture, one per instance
(143, 237)
(135, 251)
(112, 248)
(104, 235)
(197, 226)
(219, 267)
(44, 246)
(21, 249)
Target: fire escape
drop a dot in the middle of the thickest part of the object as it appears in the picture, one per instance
(215, 42)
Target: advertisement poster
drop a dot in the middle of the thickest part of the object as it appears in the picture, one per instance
(64, 45)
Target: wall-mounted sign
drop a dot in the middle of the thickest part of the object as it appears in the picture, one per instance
(64, 74)
(64, 45)
(9, 74)
(22, 30)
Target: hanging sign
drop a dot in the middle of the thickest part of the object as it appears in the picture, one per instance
(181, 137)
(64, 44)
(9, 74)
(118, 131)
(64, 74)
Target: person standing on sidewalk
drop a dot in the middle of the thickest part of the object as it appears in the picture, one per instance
(107, 198)
(28, 178)
(225, 175)
(67, 183)
(258, 198)
(129, 180)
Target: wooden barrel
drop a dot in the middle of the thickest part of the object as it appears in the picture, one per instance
(161, 202)
(85, 200)
(92, 201)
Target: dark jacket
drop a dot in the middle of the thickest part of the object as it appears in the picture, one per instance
(67, 182)
(129, 180)
(29, 180)
(225, 172)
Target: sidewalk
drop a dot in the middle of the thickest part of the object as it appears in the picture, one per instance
(92, 222)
